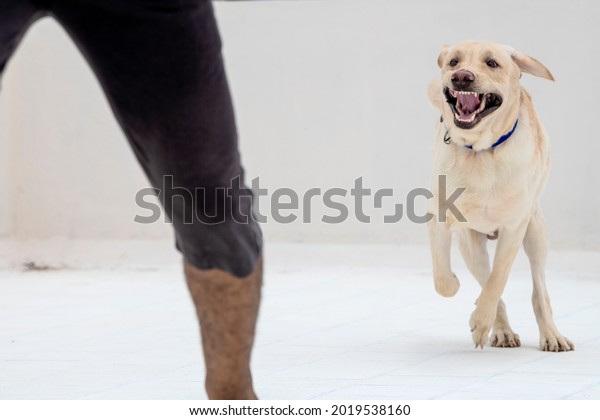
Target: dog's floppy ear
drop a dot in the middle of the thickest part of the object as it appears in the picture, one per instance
(530, 65)
(442, 55)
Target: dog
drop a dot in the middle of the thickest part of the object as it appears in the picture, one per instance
(490, 144)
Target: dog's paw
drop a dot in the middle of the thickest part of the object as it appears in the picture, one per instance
(505, 338)
(481, 323)
(553, 341)
(447, 286)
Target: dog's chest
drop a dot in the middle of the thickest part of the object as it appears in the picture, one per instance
(494, 194)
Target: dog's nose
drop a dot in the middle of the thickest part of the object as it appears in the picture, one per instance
(462, 79)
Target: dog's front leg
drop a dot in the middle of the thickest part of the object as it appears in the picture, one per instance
(440, 238)
(536, 247)
(482, 319)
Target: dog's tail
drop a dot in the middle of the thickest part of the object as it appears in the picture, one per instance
(436, 97)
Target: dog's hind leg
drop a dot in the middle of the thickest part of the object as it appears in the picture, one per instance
(473, 247)
(536, 247)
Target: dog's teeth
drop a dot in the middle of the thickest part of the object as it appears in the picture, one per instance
(482, 104)
(467, 120)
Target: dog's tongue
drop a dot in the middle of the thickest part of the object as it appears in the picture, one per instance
(467, 103)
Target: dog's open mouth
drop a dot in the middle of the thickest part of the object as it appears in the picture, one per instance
(470, 107)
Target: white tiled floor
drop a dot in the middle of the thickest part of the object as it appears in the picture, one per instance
(337, 322)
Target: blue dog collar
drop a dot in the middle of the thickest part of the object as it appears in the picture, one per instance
(498, 143)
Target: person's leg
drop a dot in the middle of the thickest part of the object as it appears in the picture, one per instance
(227, 308)
(160, 64)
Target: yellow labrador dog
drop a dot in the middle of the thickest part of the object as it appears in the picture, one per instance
(491, 143)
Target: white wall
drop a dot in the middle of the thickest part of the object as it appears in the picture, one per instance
(325, 92)
(4, 173)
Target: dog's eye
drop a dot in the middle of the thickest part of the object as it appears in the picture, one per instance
(492, 63)
(453, 62)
